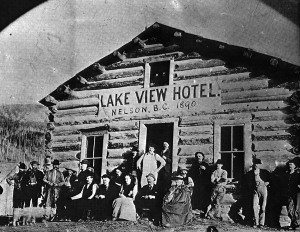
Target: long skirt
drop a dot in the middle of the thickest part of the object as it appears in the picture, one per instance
(124, 208)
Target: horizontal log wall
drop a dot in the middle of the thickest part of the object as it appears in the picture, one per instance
(245, 98)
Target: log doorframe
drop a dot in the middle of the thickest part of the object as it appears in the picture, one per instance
(83, 150)
(246, 123)
(143, 137)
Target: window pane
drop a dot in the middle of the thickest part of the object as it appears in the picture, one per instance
(238, 138)
(226, 138)
(226, 158)
(238, 164)
(159, 73)
(98, 146)
(90, 147)
(97, 166)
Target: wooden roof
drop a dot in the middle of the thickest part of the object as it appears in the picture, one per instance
(161, 39)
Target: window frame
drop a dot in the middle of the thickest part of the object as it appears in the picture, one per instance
(84, 148)
(246, 139)
(148, 71)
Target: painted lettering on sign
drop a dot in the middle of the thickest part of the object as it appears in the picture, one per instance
(160, 100)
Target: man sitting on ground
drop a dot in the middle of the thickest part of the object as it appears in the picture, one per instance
(105, 195)
(147, 198)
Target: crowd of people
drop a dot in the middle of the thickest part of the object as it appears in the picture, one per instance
(145, 187)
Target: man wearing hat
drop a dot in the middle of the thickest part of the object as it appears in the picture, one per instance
(18, 196)
(82, 175)
(218, 180)
(46, 168)
(177, 206)
(33, 180)
(290, 192)
(105, 195)
(54, 180)
(258, 179)
(64, 202)
(188, 181)
(148, 198)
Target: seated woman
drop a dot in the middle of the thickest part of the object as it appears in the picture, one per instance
(123, 207)
(86, 199)
(177, 207)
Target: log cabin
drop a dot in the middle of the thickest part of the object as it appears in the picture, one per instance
(197, 94)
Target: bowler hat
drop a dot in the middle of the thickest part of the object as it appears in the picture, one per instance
(219, 161)
(55, 162)
(151, 175)
(135, 148)
(34, 162)
(84, 161)
(47, 161)
(22, 165)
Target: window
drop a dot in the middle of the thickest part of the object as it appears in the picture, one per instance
(232, 150)
(159, 73)
(94, 152)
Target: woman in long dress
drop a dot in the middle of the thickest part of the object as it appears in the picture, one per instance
(123, 206)
(177, 207)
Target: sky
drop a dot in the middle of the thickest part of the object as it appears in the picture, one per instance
(57, 39)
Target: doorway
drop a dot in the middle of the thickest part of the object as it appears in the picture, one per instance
(157, 134)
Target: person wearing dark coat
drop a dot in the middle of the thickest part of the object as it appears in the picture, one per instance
(291, 193)
(105, 195)
(164, 177)
(200, 173)
(82, 175)
(85, 199)
(33, 182)
(18, 194)
(258, 180)
(148, 198)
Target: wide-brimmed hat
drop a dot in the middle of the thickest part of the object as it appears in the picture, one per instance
(55, 162)
(151, 175)
(70, 169)
(22, 165)
(182, 167)
(34, 162)
(178, 177)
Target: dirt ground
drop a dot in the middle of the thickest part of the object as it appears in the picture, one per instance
(198, 225)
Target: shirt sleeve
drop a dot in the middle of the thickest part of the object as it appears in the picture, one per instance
(160, 159)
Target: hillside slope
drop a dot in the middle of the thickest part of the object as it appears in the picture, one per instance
(22, 130)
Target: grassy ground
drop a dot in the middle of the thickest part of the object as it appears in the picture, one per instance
(120, 226)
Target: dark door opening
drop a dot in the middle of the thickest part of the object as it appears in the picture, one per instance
(159, 133)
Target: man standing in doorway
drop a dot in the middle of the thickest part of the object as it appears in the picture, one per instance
(147, 163)
(164, 178)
